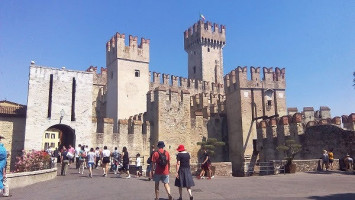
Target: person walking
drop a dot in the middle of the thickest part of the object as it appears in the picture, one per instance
(82, 157)
(116, 157)
(161, 164)
(77, 152)
(125, 162)
(205, 166)
(105, 160)
(91, 161)
(138, 165)
(3, 158)
(98, 156)
(65, 161)
(71, 150)
(183, 172)
(150, 164)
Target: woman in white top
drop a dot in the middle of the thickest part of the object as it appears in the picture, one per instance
(138, 165)
(91, 161)
(105, 160)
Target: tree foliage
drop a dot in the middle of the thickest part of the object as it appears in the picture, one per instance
(210, 145)
(290, 148)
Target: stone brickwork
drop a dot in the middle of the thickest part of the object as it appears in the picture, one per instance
(204, 45)
(128, 77)
(12, 128)
(64, 111)
(314, 137)
(247, 100)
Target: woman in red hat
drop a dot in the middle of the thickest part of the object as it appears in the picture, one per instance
(183, 172)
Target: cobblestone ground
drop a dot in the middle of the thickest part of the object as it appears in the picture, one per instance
(318, 186)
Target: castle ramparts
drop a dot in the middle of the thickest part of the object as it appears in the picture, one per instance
(205, 33)
(116, 49)
(99, 78)
(180, 83)
(274, 132)
(238, 78)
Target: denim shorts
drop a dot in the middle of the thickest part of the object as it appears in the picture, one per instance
(161, 177)
(91, 164)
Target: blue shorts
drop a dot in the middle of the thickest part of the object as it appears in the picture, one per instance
(91, 164)
(161, 177)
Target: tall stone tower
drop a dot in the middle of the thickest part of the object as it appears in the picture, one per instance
(127, 77)
(247, 102)
(204, 45)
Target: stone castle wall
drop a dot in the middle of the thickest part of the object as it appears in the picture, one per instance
(13, 129)
(248, 100)
(38, 121)
(315, 136)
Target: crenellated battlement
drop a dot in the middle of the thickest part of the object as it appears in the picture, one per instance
(296, 120)
(99, 78)
(207, 104)
(238, 78)
(181, 83)
(117, 49)
(206, 34)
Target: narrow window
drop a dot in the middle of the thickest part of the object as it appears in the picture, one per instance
(137, 73)
(52, 145)
(194, 69)
(46, 145)
(50, 96)
(269, 103)
(47, 135)
(52, 136)
(73, 100)
(208, 49)
(194, 52)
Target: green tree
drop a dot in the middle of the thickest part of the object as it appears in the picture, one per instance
(290, 148)
(210, 145)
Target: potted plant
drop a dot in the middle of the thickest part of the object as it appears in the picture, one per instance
(290, 149)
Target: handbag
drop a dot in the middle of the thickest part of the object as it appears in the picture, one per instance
(70, 155)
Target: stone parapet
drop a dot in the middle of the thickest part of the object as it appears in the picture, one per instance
(23, 179)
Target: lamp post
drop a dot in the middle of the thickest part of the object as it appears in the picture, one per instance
(62, 113)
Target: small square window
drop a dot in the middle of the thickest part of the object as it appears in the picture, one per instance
(137, 73)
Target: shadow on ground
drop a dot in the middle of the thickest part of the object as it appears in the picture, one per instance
(345, 196)
(332, 172)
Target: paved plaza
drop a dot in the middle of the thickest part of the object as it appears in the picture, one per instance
(318, 186)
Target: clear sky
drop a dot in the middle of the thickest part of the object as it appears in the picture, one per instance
(313, 39)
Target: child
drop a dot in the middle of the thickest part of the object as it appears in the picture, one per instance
(138, 165)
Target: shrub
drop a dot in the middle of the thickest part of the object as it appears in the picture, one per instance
(32, 161)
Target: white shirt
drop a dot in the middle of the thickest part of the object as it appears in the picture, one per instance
(138, 162)
(77, 151)
(91, 157)
(106, 153)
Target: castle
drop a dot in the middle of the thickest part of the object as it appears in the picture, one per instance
(127, 105)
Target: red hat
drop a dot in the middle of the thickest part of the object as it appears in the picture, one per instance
(181, 148)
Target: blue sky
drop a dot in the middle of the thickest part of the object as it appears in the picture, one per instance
(313, 40)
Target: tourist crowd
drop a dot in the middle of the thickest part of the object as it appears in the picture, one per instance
(158, 164)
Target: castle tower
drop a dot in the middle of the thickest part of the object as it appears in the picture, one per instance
(249, 101)
(127, 77)
(204, 45)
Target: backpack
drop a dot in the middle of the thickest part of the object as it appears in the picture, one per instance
(162, 162)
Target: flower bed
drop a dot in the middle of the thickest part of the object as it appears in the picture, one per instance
(33, 161)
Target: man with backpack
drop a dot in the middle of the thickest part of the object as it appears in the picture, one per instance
(161, 164)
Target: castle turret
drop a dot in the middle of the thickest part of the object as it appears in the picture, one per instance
(127, 76)
(204, 45)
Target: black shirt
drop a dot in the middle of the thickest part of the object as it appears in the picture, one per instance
(184, 159)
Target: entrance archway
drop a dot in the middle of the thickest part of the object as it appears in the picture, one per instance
(60, 135)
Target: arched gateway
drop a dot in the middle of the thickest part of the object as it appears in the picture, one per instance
(59, 135)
